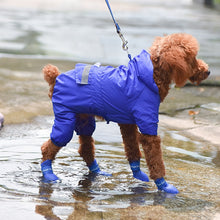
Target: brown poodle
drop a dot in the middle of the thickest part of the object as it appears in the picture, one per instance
(129, 95)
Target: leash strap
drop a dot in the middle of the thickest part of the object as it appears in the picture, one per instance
(118, 30)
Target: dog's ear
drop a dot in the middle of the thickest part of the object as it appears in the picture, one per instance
(174, 62)
(188, 43)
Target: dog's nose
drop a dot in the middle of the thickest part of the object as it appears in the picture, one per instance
(208, 73)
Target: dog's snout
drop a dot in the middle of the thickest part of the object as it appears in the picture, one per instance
(208, 73)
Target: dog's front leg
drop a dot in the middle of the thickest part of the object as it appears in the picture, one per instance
(153, 155)
(131, 145)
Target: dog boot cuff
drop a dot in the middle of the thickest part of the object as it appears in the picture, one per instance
(46, 168)
(137, 173)
(94, 168)
(166, 187)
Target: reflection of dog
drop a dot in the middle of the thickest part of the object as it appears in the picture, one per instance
(1, 120)
(129, 95)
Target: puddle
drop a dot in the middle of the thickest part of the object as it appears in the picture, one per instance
(190, 166)
(212, 106)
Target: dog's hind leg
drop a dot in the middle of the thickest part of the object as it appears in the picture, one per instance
(87, 149)
(85, 126)
(87, 152)
(153, 155)
(129, 134)
(49, 151)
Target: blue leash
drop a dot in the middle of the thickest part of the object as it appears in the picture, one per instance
(118, 30)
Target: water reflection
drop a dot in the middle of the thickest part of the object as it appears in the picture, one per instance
(90, 202)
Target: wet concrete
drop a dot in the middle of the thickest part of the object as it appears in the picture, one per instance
(196, 111)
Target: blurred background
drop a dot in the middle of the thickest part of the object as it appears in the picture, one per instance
(83, 30)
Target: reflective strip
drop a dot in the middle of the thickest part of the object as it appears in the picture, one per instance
(85, 74)
(162, 183)
(46, 169)
(95, 169)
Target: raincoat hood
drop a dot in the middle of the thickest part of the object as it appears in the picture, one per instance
(145, 69)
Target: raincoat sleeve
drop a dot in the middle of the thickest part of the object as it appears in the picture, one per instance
(64, 125)
(146, 113)
(85, 126)
(146, 125)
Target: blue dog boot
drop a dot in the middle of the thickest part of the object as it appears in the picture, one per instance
(137, 173)
(46, 168)
(94, 168)
(166, 187)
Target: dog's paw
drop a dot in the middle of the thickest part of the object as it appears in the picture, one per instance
(137, 173)
(94, 168)
(50, 178)
(48, 175)
(170, 189)
(140, 176)
(166, 187)
(104, 173)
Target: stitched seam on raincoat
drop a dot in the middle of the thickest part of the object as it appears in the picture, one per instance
(97, 97)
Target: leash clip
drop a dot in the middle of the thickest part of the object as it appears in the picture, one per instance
(124, 41)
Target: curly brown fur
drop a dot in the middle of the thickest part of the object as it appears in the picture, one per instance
(87, 149)
(174, 59)
(153, 155)
(50, 73)
(130, 139)
(49, 150)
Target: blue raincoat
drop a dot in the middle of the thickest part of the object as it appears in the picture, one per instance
(126, 95)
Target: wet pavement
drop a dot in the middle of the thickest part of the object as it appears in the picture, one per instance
(196, 111)
(192, 164)
(33, 35)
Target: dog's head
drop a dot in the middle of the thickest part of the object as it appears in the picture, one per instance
(176, 54)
